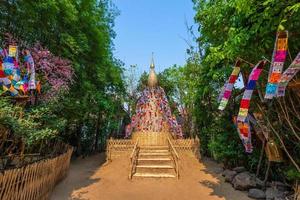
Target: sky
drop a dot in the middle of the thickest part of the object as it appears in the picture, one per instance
(159, 26)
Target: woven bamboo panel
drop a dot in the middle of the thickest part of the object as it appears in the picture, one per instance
(151, 138)
(297, 193)
(35, 181)
(117, 147)
(184, 145)
(120, 145)
(273, 152)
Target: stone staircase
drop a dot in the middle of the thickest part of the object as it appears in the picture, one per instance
(155, 162)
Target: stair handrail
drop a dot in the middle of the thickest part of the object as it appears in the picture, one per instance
(133, 158)
(175, 156)
(173, 148)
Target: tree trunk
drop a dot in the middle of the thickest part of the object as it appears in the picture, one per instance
(78, 140)
(97, 132)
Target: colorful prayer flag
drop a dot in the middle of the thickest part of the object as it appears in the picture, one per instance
(30, 62)
(288, 75)
(244, 131)
(12, 51)
(245, 102)
(229, 85)
(279, 55)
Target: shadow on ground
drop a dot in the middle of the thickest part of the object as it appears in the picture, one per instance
(80, 176)
(219, 187)
(90, 180)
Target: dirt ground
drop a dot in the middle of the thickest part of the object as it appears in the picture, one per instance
(89, 179)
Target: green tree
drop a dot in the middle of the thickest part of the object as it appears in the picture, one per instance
(81, 31)
(246, 29)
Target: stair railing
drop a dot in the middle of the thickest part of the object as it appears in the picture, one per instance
(175, 157)
(133, 159)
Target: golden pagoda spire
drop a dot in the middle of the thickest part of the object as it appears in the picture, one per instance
(152, 66)
(152, 79)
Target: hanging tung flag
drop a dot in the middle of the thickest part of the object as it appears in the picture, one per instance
(226, 92)
(245, 102)
(288, 74)
(279, 55)
(222, 92)
(13, 91)
(12, 51)
(2, 74)
(2, 53)
(244, 131)
(29, 61)
(38, 87)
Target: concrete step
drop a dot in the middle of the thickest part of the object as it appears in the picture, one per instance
(155, 170)
(155, 159)
(154, 154)
(154, 175)
(154, 150)
(155, 166)
(162, 147)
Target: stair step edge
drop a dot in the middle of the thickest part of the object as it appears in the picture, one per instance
(154, 150)
(156, 166)
(158, 153)
(154, 175)
(156, 159)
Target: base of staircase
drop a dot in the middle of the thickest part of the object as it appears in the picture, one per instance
(154, 175)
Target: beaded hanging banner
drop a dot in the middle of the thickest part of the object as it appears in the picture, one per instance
(288, 74)
(276, 67)
(229, 85)
(245, 102)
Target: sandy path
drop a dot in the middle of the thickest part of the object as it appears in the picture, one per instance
(88, 180)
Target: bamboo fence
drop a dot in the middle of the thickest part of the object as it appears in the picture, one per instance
(34, 181)
(117, 147)
(188, 145)
(151, 138)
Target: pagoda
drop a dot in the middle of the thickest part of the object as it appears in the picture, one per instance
(153, 118)
(154, 140)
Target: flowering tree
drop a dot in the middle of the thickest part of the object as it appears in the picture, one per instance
(55, 72)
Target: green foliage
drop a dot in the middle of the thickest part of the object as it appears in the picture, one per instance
(81, 31)
(37, 125)
(231, 29)
(292, 174)
(143, 81)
